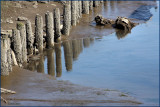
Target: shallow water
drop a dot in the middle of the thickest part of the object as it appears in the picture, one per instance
(119, 61)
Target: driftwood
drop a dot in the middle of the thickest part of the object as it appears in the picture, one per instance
(6, 91)
(120, 23)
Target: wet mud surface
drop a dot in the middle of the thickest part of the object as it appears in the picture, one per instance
(37, 89)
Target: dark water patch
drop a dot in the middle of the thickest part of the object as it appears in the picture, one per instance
(142, 13)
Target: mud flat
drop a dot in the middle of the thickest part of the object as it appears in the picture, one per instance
(36, 89)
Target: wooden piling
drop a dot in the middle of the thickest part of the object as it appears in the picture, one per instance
(39, 32)
(57, 25)
(66, 19)
(17, 46)
(4, 63)
(80, 8)
(73, 13)
(21, 27)
(49, 30)
(90, 5)
(29, 37)
(95, 3)
(9, 59)
(85, 7)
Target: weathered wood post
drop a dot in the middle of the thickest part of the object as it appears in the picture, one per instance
(68, 55)
(4, 63)
(58, 60)
(17, 46)
(50, 62)
(90, 5)
(49, 30)
(66, 19)
(29, 37)
(85, 7)
(21, 27)
(73, 13)
(77, 11)
(95, 3)
(9, 59)
(57, 25)
(80, 8)
(39, 32)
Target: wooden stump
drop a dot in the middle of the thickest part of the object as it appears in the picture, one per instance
(49, 30)
(39, 32)
(57, 25)
(29, 37)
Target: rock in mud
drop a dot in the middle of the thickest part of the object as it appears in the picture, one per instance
(124, 24)
(8, 20)
(102, 21)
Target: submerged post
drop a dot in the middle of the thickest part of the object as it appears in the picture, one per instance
(85, 5)
(73, 13)
(17, 46)
(22, 29)
(39, 32)
(29, 37)
(49, 30)
(4, 64)
(66, 19)
(57, 25)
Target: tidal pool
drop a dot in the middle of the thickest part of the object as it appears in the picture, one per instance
(118, 61)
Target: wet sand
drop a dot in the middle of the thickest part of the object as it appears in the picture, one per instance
(37, 89)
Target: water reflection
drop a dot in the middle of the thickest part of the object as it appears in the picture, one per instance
(58, 60)
(40, 67)
(67, 48)
(122, 33)
(50, 62)
(86, 42)
(71, 50)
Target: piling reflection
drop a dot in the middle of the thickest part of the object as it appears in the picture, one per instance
(71, 49)
(75, 49)
(32, 66)
(40, 67)
(58, 60)
(50, 62)
(86, 42)
(67, 47)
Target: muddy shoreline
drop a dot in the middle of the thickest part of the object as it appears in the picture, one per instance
(35, 89)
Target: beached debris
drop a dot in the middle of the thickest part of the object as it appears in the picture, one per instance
(6, 91)
(124, 23)
(102, 21)
(120, 23)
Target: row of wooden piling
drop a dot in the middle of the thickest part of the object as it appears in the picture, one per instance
(22, 42)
